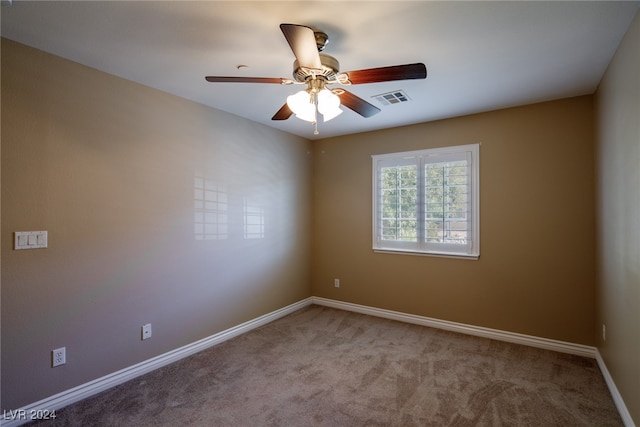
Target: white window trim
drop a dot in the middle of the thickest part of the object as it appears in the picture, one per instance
(398, 247)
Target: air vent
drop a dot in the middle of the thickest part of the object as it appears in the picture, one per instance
(395, 97)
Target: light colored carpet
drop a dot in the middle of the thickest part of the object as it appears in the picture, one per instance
(326, 367)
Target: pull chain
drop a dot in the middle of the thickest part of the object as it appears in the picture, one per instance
(315, 112)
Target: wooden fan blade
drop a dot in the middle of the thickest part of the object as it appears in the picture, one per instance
(302, 41)
(283, 113)
(386, 74)
(357, 104)
(221, 79)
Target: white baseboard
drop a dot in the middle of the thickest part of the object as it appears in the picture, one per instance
(532, 341)
(65, 398)
(615, 394)
(560, 346)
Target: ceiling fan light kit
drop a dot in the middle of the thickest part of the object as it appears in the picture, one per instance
(317, 71)
(315, 99)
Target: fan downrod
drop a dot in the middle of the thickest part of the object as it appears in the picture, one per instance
(321, 40)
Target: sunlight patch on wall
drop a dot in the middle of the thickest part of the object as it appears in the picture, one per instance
(211, 210)
(253, 219)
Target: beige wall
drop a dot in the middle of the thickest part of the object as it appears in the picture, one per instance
(618, 213)
(109, 167)
(536, 269)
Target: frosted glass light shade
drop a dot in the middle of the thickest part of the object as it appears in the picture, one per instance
(302, 105)
(328, 104)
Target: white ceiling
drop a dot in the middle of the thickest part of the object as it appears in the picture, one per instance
(480, 55)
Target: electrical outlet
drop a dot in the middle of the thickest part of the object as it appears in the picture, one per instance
(58, 357)
(146, 331)
(336, 283)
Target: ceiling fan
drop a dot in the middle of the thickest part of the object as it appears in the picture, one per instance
(317, 71)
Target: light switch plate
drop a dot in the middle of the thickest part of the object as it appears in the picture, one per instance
(30, 240)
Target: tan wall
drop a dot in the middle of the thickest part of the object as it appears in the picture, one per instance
(108, 167)
(536, 269)
(618, 213)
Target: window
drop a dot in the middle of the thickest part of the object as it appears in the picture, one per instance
(427, 201)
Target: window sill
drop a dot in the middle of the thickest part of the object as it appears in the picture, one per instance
(472, 257)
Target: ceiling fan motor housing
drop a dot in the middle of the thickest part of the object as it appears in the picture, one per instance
(330, 67)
